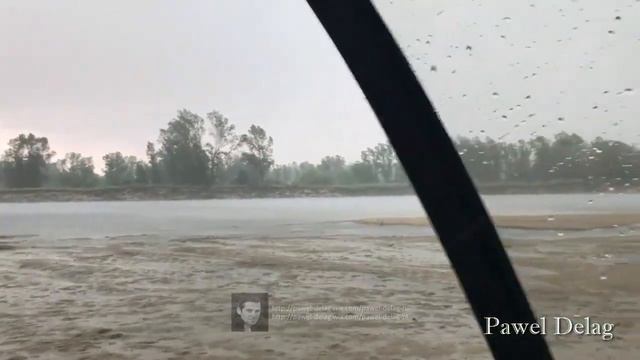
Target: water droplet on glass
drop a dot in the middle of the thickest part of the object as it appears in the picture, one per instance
(434, 68)
(603, 278)
(528, 97)
(628, 91)
(469, 47)
(611, 188)
(495, 94)
(590, 202)
(481, 131)
(551, 218)
(560, 234)
(618, 18)
(595, 107)
(560, 119)
(611, 32)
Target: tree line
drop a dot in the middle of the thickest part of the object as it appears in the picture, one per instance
(208, 151)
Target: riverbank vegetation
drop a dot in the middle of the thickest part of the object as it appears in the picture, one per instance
(207, 153)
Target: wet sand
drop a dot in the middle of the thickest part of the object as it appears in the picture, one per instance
(143, 297)
(530, 222)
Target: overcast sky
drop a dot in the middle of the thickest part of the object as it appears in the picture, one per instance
(101, 76)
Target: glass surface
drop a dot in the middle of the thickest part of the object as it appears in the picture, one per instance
(135, 220)
(541, 99)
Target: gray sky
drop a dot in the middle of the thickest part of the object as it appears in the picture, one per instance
(98, 76)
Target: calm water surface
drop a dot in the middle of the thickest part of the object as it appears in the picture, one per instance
(269, 217)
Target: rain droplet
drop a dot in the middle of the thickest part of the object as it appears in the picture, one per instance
(495, 94)
(603, 278)
(628, 90)
(469, 47)
(611, 32)
(611, 188)
(434, 68)
(560, 118)
(560, 234)
(618, 17)
(551, 218)
(528, 97)
(590, 202)
(595, 107)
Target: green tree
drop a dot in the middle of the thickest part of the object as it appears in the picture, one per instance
(224, 142)
(154, 166)
(182, 154)
(363, 173)
(260, 151)
(382, 161)
(26, 160)
(76, 171)
(117, 169)
(141, 173)
(543, 160)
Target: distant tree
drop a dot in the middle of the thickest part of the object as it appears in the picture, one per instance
(543, 163)
(400, 174)
(25, 162)
(260, 151)
(568, 156)
(608, 162)
(76, 171)
(363, 173)
(224, 142)
(154, 166)
(182, 154)
(314, 175)
(141, 173)
(382, 160)
(117, 169)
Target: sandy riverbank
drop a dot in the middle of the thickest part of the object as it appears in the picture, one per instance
(530, 222)
(142, 297)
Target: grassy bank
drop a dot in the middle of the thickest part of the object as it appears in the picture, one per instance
(161, 192)
(194, 192)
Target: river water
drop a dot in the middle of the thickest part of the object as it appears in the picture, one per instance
(271, 217)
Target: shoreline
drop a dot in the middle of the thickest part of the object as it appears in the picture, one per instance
(568, 222)
(162, 192)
